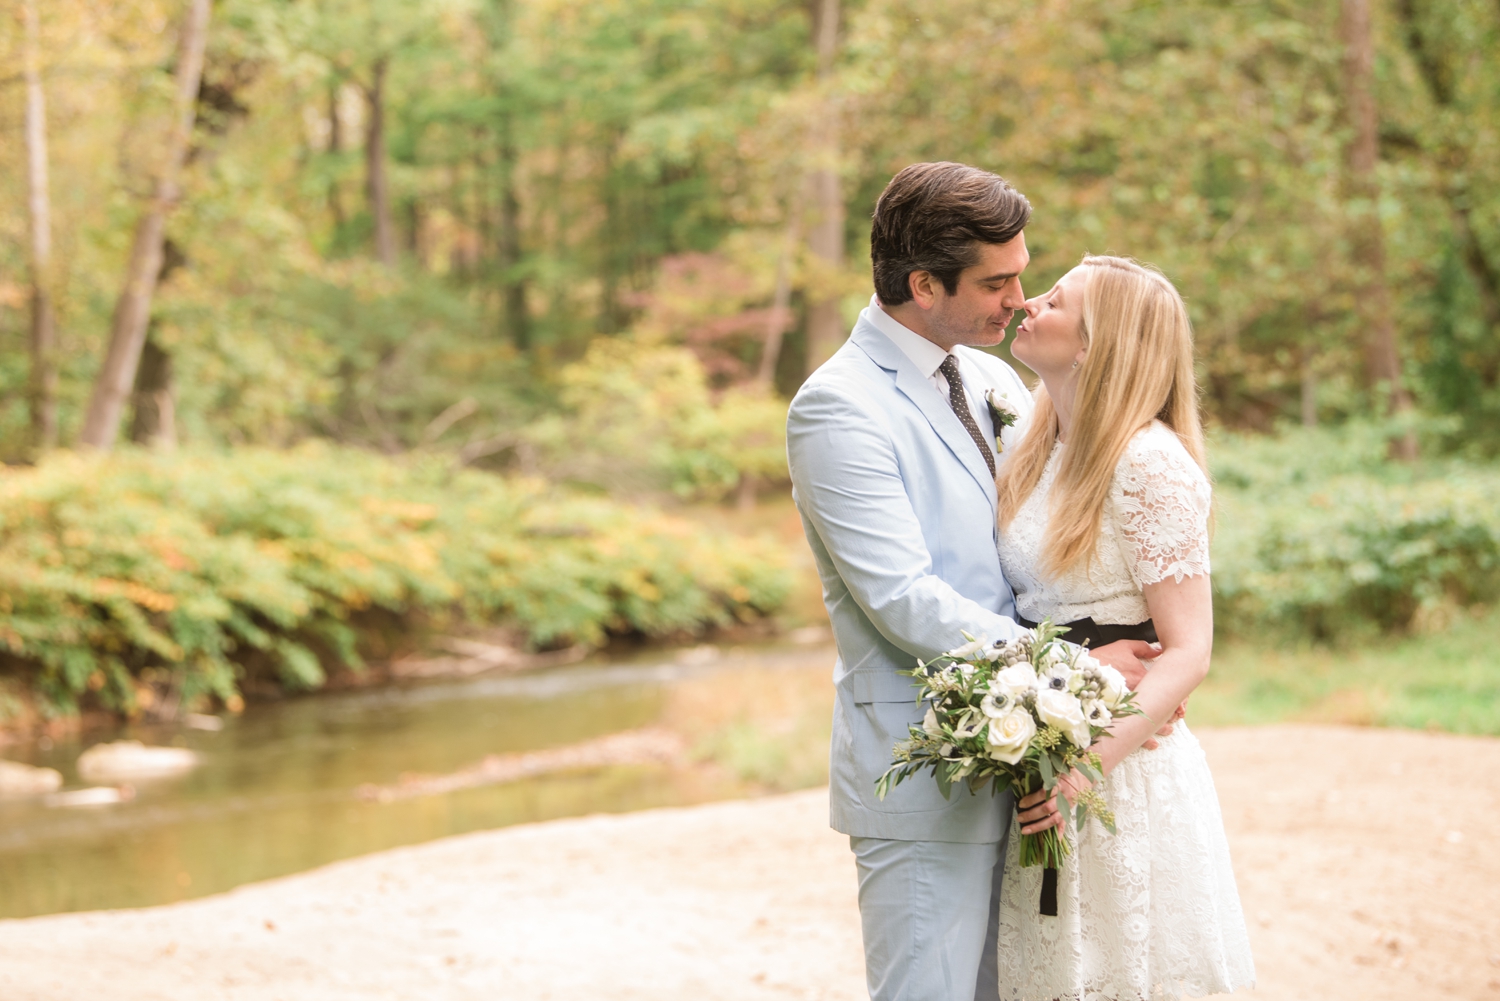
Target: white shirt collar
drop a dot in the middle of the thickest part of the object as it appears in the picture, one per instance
(924, 354)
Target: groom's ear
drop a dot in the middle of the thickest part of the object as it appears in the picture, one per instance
(923, 288)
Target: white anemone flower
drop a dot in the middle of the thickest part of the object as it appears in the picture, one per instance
(930, 725)
(970, 726)
(1060, 677)
(1096, 712)
(997, 704)
(966, 651)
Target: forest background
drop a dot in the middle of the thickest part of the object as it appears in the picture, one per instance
(396, 311)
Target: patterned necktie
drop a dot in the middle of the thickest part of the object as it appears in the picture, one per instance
(960, 406)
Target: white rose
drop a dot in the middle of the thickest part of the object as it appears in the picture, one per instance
(1001, 404)
(930, 724)
(1010, 736)
(1087, 662)
(1059, 709)
(1112, 686)
(996, 704)
(1015, 680)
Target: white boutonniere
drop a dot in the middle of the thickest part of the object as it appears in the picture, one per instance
(1002, 413)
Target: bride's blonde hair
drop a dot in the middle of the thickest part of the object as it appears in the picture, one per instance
(1139, 368)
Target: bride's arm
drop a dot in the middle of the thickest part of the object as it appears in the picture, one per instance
(1184, 615)
(1162, 505)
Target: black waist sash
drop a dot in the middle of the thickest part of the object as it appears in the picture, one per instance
(1095, 634)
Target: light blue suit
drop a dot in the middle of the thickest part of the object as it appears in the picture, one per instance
(899, 509)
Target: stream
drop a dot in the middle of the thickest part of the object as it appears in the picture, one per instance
(276, 792)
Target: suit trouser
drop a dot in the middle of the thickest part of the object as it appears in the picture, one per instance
(930, 914)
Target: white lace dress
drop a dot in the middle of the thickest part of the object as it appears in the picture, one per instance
(1152, 911)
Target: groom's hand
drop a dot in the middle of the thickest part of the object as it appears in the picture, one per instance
(1166, 729)
(1126, 656)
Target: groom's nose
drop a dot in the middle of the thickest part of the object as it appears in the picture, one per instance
(1015, 297)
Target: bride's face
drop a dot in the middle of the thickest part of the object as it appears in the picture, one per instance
(1050, 339)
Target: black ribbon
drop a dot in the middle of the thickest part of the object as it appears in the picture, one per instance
(1097, 634)
(1049, 892)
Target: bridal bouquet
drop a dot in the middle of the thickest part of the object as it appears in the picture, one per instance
(1022, 713)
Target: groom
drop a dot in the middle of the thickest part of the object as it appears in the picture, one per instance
(893, 456)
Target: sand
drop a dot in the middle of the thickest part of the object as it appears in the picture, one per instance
(1368, 862)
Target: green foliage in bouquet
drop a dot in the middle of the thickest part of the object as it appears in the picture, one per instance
(207, 565)
(1319, 535)
(1019, 715)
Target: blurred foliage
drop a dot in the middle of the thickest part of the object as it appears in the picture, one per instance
(1319, 536)
(639, 416)
(207, 566)
(592, 203)
(562, 170)
(1444, 679)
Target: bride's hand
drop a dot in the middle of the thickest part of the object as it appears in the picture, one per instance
(1038, 811)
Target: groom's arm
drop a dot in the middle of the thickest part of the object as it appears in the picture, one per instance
(848, 485)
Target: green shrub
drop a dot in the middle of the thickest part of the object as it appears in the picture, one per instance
(637, 416)
(1318, 534)
(206, 563)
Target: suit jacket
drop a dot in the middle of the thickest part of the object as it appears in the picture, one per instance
(899, 509)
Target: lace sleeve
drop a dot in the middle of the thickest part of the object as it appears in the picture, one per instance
(1162, 500)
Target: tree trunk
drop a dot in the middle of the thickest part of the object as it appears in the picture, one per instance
(127, 333)
(609, 242)
(1453, 161)
(335, 147)
(781, 299)
(155, 421)
(513, 282)
(1309, 399)
(825, 238)
(1367, 240)
(416, 245)
(376, 184)
(516, 317)
(43, 386)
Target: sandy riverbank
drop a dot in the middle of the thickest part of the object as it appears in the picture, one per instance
(1369, 877)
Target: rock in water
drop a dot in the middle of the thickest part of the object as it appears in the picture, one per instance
(17, 779)
(97, 796)
(130, 759)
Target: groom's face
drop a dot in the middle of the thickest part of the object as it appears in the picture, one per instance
(988, 295)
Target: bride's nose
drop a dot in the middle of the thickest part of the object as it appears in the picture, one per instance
(1032, 305)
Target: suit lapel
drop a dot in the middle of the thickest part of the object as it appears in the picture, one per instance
(925, 397)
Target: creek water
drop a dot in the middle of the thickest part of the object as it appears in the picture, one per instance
(276, 792)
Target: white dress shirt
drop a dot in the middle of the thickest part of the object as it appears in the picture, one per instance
(924, 354)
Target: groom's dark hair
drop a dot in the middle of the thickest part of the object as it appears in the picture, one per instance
(932, 216)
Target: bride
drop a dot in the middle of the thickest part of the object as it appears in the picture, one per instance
(1104, 510)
